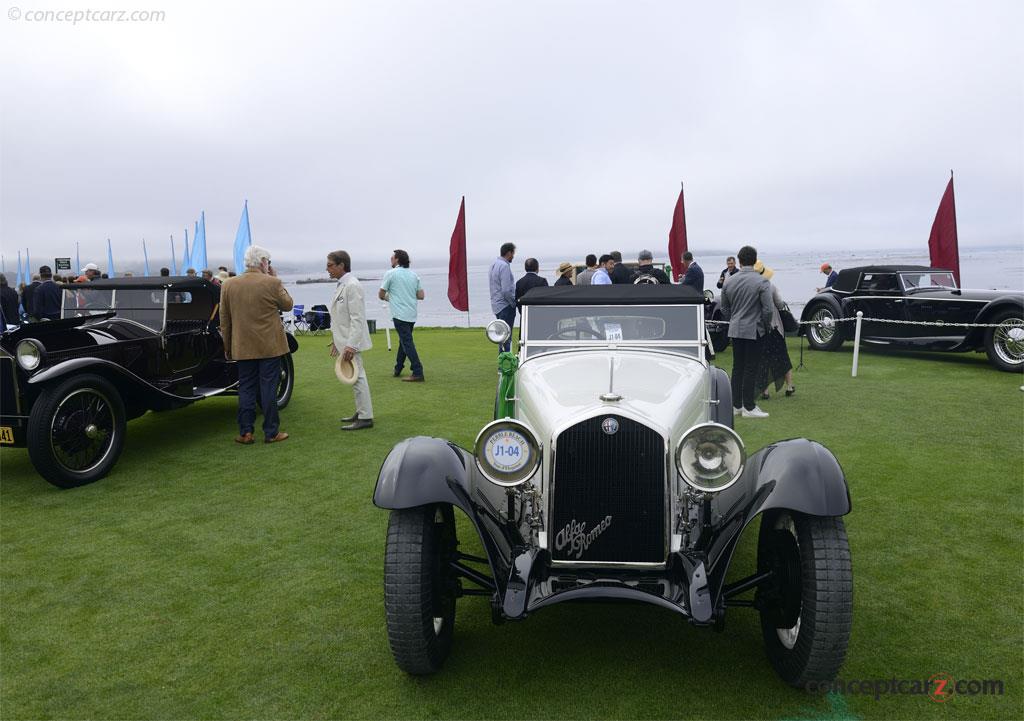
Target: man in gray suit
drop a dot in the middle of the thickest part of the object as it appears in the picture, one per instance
(747, 305)
(350, 334)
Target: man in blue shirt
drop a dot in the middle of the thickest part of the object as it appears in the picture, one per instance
(402, 289)
(601, 276)
(693, 274)
(503, 290)
(832, 275)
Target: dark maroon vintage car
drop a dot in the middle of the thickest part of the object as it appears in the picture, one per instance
(121, 348)
(936, 314)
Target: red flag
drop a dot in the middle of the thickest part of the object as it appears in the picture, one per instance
(677, 236)
(942, 243)
(458, 282)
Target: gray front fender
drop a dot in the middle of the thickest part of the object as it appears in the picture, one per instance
(799, 475)
(421, 470)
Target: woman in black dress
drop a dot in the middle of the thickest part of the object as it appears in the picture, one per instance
(775, 364)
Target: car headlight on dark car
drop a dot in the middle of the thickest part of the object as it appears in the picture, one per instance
(710, 457)
(29, 353)
(507, 452)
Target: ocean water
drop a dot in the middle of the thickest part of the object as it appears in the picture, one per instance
(796, 275)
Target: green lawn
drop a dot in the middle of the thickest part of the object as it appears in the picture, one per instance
(202, 579)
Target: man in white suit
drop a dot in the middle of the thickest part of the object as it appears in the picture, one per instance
(350, 334)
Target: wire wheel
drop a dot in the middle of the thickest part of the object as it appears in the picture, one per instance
(1005, 343)
(76, 431)
(823, 333)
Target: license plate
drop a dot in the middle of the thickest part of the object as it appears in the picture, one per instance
(6, 435)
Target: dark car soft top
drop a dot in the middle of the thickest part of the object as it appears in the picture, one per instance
(642, 294)
(849, 277)
(178, 282)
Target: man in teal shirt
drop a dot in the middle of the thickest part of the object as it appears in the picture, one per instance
(402, 289)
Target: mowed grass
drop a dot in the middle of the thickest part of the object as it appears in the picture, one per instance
(202, 579)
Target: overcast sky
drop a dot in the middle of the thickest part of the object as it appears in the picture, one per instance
(567, 125)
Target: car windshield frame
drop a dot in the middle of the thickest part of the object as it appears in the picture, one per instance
(908, 286)
(688, 347)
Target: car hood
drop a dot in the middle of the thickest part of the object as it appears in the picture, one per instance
(664, 390)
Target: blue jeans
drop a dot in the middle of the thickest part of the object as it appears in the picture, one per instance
(507, 314)
(259, 375)
(407, 348)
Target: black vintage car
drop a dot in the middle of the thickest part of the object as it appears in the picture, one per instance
(912, 294)
(121, 348)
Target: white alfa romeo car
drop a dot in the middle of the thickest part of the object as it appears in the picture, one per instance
(612, 470)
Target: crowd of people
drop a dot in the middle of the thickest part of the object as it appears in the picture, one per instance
(750, 303)
(251, 304)
(41, 298)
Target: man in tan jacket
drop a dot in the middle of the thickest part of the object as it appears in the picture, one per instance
(250, 322)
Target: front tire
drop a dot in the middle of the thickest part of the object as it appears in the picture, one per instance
(823, 333)
(807, 610)
(1004, 344)
(419, 587)
(76, 431)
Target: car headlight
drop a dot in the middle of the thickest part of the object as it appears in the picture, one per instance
(507, 452)
(710, 457)
(498, 331)
(29, 353)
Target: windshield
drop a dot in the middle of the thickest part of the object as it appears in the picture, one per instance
(927, 279)
(667, 327)
(145, 306)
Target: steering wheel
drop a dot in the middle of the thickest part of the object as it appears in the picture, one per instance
(565, 333)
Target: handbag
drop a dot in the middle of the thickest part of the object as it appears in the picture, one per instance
(789, 322)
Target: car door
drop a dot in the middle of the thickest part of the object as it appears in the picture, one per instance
(932, 304)
(879, 297)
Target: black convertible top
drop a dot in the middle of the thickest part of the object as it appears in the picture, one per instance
(630, 294)
(178, 282)
(849, 277)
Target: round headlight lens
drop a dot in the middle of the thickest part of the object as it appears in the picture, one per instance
(710, 457)
(507, 452)
(498, 331)
(29, 355)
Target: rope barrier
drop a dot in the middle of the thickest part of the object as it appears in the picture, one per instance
(833, 321)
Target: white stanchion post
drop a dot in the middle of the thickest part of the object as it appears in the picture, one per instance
(856, 342)
(386, 308)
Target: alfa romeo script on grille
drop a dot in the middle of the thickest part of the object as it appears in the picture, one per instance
(576, 536)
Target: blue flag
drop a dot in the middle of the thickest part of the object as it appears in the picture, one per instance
(199, 261)
(243, 239)
(186, 260)
(174, 259)
(110, 260)
(145, 259)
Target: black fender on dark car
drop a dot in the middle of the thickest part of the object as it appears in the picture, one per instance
(420, 471)
(797, 475)
(828, 299)
(138, 395)
(976, 336)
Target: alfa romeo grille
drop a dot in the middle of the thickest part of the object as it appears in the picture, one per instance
(609, 493)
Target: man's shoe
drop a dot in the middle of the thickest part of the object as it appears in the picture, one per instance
(413, 379)
(398, 372)
(755, 413)
(791, 390)
(245, 439)
(276, 439)
(354, 417)
(358, 424)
